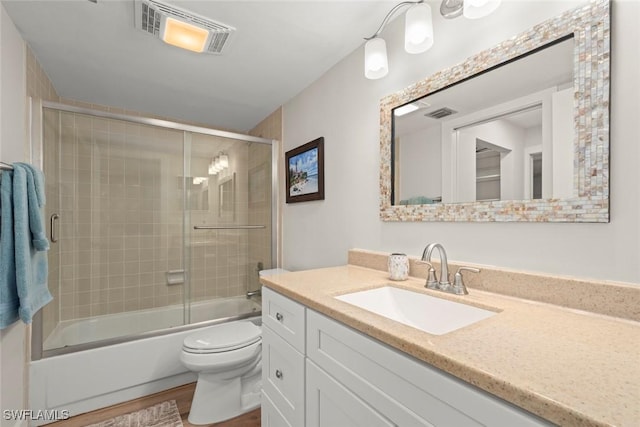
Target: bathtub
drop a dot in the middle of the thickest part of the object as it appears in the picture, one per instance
(110, 326)
(82, 381)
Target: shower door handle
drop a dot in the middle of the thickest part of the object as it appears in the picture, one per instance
(54, 222)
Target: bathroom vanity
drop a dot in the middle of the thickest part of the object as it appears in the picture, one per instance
(343, 378)
(329, 363)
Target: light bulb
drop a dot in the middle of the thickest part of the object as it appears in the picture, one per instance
(375, 59)
(418, 29)
(224, 161)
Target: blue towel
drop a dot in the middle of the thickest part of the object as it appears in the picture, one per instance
(29, 241)
(35, 202)
(9, 302)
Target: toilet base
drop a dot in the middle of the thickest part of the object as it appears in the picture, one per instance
(217, 400)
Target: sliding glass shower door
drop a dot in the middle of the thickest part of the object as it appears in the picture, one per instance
(229, 205)
(150, 229)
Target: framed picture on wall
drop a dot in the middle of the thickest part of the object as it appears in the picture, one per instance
(305, 172)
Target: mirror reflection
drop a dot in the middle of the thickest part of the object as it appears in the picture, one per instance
(504, 134)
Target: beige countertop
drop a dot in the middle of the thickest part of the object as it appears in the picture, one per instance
(568, 366)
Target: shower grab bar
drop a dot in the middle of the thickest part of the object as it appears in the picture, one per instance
(227, 227)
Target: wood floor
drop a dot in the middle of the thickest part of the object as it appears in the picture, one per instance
(182, 395)
(250, 419)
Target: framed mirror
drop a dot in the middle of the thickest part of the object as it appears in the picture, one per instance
(226, 197)
(519, 132)
(197, 191)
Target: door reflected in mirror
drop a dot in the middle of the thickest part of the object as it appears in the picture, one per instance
(505, 134)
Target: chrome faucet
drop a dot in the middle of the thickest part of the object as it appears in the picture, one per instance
(432, 282)
(253, 293)
(458, 287)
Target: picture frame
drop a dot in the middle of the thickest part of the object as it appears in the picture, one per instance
(304, 168)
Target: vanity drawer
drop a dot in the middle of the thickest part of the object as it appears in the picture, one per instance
(283, 376)
(285, 317)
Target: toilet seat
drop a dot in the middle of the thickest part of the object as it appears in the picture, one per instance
(222, 338)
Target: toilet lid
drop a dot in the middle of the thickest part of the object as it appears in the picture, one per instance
(225, 337)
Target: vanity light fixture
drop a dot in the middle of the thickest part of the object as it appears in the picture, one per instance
(224, 161)
(197, 180)
(418, 38)
(218, 164)
(212, 168)
(418, 29)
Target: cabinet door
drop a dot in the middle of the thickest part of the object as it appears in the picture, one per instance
(283, 376)
(270, 415)
(330, 404)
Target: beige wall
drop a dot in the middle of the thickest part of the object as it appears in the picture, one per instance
(271, 128)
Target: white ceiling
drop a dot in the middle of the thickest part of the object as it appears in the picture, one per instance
(93, 53)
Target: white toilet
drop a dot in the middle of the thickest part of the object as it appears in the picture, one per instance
(227, 359)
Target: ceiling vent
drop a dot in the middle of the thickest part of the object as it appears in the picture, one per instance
(151, 15)
(440, 113)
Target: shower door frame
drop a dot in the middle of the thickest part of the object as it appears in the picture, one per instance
(36, 155)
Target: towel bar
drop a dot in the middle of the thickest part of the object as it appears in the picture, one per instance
(227, 227)
(6, 166)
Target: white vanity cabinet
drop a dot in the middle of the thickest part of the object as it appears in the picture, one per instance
(283, 341)
(350, 379)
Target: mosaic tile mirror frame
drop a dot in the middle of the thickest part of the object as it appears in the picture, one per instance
(590, 27)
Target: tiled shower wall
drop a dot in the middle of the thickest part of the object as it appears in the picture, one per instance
(120, 213)
(222, 265)
(121, 206)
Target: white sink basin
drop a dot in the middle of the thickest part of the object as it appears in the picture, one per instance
(434, 315)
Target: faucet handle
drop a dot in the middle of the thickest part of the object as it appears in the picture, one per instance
(458, 284)
(432, 280)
